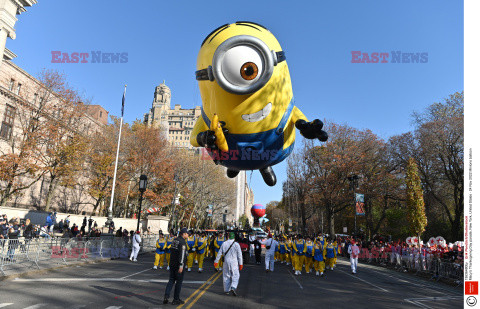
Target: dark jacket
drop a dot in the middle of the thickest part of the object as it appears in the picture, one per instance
(28, 233)
(178, 253)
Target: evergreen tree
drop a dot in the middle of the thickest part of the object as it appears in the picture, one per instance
(415, 203)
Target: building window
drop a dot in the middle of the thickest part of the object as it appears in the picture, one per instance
(19, 86)
(35, 97)
(12, 83)
(7, 124)
(101, 114)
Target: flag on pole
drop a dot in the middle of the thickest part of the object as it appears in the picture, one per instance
(123, 99)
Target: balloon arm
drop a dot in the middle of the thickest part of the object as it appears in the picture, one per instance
(218, 127)
(200, 126)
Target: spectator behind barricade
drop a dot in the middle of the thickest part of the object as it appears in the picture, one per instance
(75, 230)
(12, 244)
(119, 232)
(67, 222)
(111, 228)
(3, 228)
(60, 226)
(98, 233)
(44, 232)
(28, 232)
(82, 230)
(49, 221)
(84, 223)
(90, 223)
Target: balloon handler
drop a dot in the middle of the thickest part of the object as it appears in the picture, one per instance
(231, 252)
(248, 114)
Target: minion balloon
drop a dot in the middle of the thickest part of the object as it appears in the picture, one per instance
(248, 114)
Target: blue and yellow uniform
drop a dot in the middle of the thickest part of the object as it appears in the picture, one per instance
(290, 253)
(330, 255)
(319, 257)
(191, 247)
(202, 245)
(282, 251)
(169, 239)
(300, 249)
(217, 243)
(308, 256)
(161, 244)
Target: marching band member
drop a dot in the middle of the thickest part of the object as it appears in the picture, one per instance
(169, 239)
(191, 244)
(330, 254)
(217, 244)
(319, 257)
(202, 242)
(160, 251)
(300, 249)
(308, 255)
(282, 250)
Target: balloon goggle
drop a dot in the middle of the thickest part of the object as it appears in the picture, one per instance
(241, 65)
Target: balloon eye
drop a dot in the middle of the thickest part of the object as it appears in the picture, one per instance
(249, 71)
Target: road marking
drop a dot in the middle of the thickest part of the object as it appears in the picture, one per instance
(204, 290)
(100, 279)
(36, 306)
(5, 304)
(295, 279)
(137, 273)
(197, 290)
(114, 307)
(418, 304)
(364, 281)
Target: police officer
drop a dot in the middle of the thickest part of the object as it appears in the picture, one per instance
(178, 259)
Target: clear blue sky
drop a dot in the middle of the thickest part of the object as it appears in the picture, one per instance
(162, 39)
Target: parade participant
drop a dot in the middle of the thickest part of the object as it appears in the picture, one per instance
(231, 252)
(169, 239)
(300, 249)
(353, 251)
(136, 240)
(191, 247)
(202, 242)
(178, 259)
(330, 254)
(288, 247)
(258, 251)
(251, 240)
(217, 244)
(318, 257)
(308, 255)
(270, 245)
(160, 252)
(277, 249)
(336, 245)
(282, 250)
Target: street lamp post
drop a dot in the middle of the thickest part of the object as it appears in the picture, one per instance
(142, 187)
(354, 184)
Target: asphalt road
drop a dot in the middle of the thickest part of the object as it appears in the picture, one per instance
(123, 284)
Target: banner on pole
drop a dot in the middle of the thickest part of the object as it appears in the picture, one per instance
(359, 204)
(210, 210)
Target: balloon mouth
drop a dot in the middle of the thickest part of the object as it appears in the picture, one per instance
(258, 116)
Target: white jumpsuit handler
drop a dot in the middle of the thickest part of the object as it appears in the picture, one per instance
(354, 251)
(270, 245)
(136, 240)
(233, 262)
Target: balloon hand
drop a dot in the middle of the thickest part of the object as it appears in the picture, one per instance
(312, 129)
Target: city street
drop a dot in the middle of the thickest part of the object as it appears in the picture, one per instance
(123, 284)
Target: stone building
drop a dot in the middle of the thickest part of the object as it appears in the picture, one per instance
(20, 94)
(177, 123)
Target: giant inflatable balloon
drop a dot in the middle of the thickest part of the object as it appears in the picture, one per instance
(258, 211)
(248, 114)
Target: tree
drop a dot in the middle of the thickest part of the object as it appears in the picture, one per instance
(415, 204)
(437, 147)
